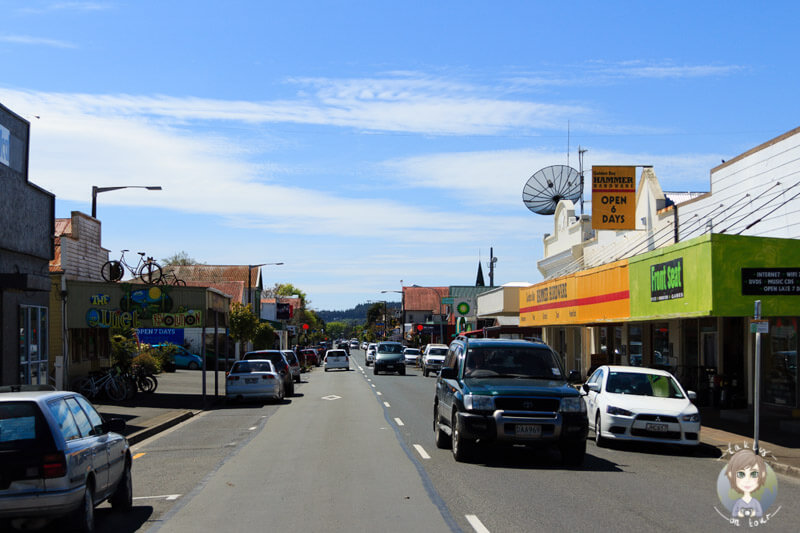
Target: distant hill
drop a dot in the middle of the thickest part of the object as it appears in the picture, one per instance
(358, 314)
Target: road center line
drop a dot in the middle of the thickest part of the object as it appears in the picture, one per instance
(252, 428)
(421, 451)
(476, 524)
(379, 393)
(399, 422)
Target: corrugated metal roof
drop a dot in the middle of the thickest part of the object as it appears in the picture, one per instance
(216, 273)
(234, 289)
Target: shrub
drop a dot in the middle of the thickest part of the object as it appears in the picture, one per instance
(146, 361)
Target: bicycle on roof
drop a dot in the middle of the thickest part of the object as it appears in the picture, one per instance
(146, 269)
(170, 278)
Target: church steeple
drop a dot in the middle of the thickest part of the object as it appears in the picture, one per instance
(479, 281)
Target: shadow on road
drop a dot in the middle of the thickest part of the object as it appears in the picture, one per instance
(537, 458)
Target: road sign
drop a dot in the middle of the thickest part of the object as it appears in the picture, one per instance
(759, 326)
(448, 300)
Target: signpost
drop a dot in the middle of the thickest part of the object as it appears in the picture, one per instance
(760, 326)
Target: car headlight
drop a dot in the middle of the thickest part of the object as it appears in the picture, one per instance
(610, 409)
(691, 418)
(572, 405)
(473, 402)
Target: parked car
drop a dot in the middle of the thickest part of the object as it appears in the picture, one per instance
(280, 364)
(511, 391)
(59, 458)
(294, 364)
(369, 358)
(411, 355)
(254, 378)
(354, 344)
(634, 403)
(389, 358)
(364, 345)
(432, 358)
(310, 356)
(183, 358)
(337, 359)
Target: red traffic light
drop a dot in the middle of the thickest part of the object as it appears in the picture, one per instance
(305, 326)
(419, 327)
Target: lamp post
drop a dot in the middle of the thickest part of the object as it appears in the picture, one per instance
(402, 311)
(97, 190)
(250, 284)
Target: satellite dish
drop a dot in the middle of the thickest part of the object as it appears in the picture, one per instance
(549, 186)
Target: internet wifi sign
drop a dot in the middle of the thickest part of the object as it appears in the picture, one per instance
(613, 198)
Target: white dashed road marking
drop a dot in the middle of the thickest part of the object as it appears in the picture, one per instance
(476, 524)
(168, 497)
(386, 404)
(399, 422)
(421, 451)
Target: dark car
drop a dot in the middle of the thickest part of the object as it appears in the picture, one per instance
(281, 366)
(309, 356)
(507, 391)
(389, 358)
(59, 459)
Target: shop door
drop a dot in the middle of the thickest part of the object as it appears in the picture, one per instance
(708, 358)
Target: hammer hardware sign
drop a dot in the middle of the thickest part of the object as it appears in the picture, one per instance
(613, 198)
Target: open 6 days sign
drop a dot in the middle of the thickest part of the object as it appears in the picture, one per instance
(613, 198)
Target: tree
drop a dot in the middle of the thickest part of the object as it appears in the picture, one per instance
(286, 290)
(180, 259)
(264, 336)
(243, 323)
(336, 330)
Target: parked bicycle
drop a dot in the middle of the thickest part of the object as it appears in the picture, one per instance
(170, 278)
(146, 269)
(144, 379)
(110, 382)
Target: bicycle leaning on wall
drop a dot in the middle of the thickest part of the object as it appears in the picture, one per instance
(146, 269)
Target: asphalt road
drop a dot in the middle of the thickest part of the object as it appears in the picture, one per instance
(355, 452)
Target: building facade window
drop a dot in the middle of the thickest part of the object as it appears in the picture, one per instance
(33, 349)
(780, 363)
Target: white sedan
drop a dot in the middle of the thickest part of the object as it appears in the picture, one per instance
(253, 378)
(635, 403)
(336, 359)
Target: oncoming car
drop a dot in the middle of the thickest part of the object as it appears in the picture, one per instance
(634, 403)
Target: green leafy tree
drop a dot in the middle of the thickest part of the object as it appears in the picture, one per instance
(286, 290)
(243, 323)
(264, 336)
(180, 259)
(336, 330)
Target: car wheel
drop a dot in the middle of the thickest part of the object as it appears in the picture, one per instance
(442, 438)
(84, 515)
(402, 371)
(297, 378)
(599, 440)
(291, 389)
(326, 369)
(461, 447)
(122, 499)
(193, 365)
(374, 370)
(572, 454)
(281, 394)
(424, 371)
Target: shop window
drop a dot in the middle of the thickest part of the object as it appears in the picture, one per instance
(33, 351)
(780, 362)
(662, 355)
(635, 345)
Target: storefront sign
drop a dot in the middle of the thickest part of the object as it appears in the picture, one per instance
(100, 299)
(160, 335)
(109, 318)
(770, 281)
(613, 198)
(666, 280)
(188, 319)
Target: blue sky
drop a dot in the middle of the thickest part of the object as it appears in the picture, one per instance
(365, 143)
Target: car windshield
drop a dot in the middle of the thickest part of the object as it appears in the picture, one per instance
(390, 348)
(512, 362)
(641, 384)
(412, 351)
(437, 351)
(247, 367)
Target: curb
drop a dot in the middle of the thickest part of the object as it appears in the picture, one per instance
(780, 468)
(158, 424)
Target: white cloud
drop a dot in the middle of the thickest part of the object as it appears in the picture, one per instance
(35, 41)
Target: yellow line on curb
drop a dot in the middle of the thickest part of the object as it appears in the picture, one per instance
(139, 455)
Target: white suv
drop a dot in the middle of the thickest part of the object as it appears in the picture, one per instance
(433, 358)
(371, 349)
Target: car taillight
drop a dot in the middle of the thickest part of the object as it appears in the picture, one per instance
(267, 376)
(54, 465)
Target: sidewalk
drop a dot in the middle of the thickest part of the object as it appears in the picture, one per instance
(179, 397)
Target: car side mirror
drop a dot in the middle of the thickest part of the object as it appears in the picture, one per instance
(591, 387)
(692, 395)
(574, 376)
(117, 425)
(449, 373)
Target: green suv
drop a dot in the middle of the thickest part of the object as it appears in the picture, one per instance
(507, 391)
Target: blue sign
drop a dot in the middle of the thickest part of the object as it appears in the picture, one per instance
(160, 335)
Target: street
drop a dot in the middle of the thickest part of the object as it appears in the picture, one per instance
(355, 452)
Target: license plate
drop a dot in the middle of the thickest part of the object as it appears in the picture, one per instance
(250, 380)
(528, 430)
(657, 427)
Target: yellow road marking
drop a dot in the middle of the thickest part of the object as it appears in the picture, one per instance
(139, 455)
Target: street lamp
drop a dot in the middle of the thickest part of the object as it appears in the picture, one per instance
(402, 310)
(97, 190)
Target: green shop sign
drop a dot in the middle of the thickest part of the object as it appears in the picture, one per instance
(666, 280)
